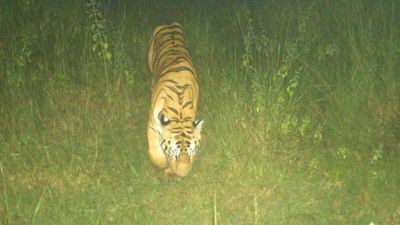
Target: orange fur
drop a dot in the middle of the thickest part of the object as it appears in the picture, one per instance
(173, 133)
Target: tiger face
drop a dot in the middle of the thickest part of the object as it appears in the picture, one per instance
(180, 143)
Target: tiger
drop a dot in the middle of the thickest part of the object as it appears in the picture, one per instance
(173, 131)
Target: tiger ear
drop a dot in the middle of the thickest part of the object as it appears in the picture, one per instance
(197, 125)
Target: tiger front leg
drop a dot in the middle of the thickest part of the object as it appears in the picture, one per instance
(157, 155)
(170, 175)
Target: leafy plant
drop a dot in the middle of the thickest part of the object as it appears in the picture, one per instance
(100, 46)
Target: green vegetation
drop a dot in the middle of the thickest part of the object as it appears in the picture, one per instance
(301, 102)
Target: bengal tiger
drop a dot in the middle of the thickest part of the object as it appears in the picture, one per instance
(173, 131)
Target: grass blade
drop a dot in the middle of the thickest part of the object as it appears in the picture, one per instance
(4, 192)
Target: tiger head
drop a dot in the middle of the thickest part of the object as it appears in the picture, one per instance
(180, 142)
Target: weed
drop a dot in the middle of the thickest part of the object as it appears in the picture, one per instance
(100, 46)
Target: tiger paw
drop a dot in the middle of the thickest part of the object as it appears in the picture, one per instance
(171, 177)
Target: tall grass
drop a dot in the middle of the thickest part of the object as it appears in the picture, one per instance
(301, 103)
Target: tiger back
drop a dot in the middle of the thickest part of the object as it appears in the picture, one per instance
(173, 131)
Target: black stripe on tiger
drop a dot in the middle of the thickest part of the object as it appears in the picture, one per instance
(173, 26)
(171, 57)
(176, 70)
(173, 110)
(187, 104)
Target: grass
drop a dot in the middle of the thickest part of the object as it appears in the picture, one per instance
(300, 102)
